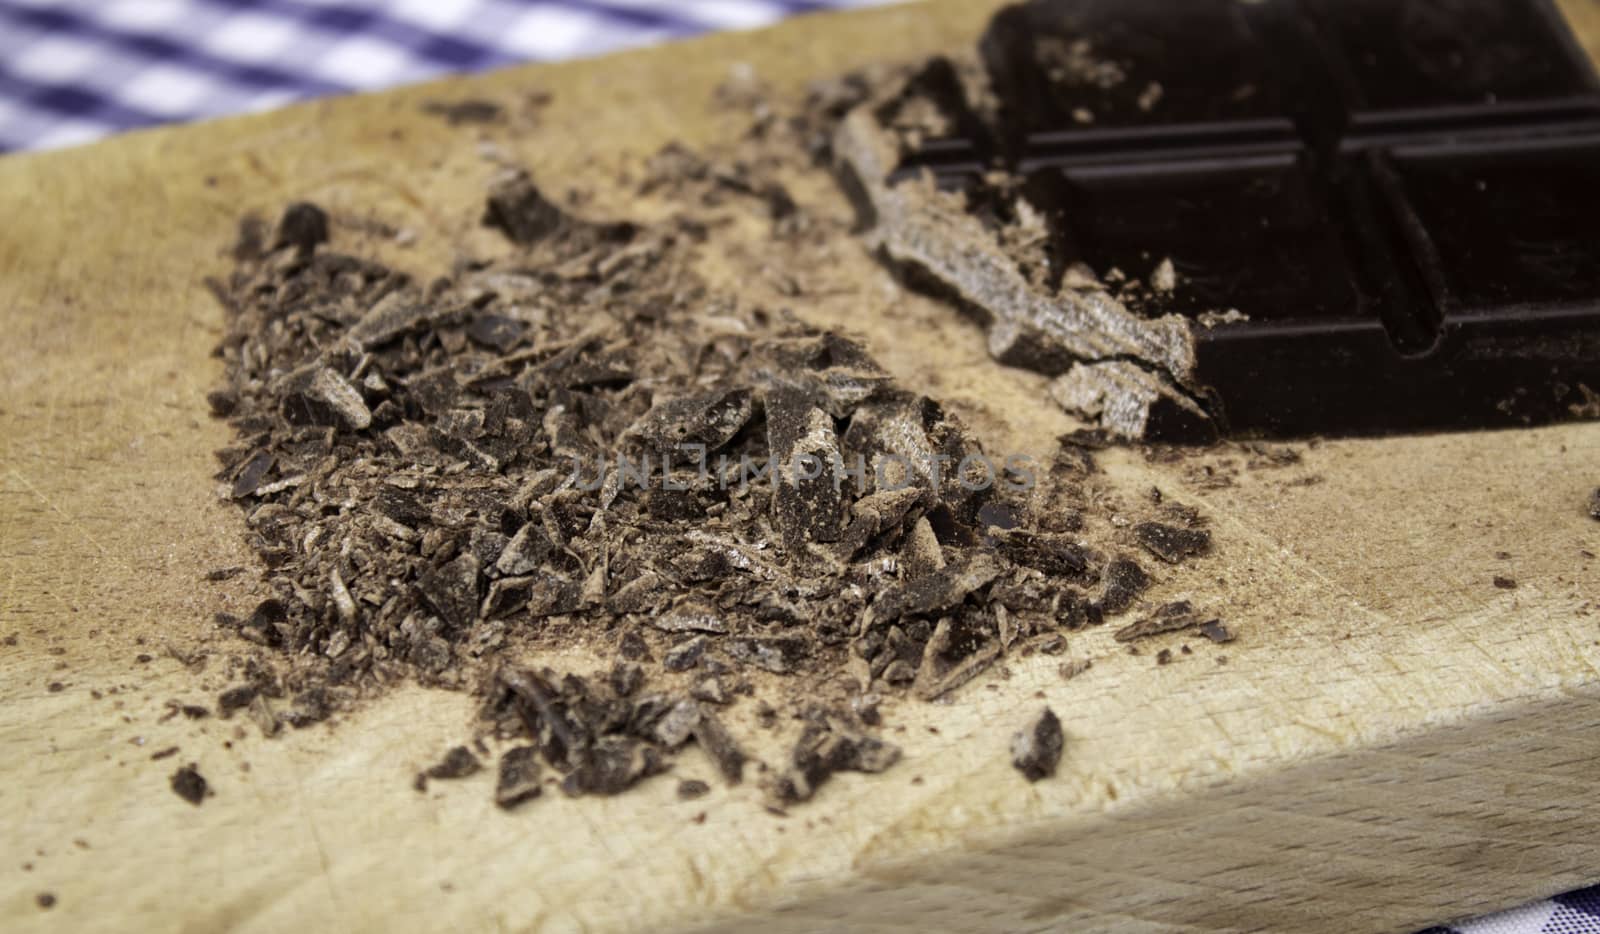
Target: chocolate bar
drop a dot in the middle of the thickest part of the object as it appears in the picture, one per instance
(1370, 215)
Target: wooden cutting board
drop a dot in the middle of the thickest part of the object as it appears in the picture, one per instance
(1394, 740)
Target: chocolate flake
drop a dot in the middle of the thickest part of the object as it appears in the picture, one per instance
(777, 654)
(519, 777)
(1170, 544)
(251, 474)
(708, 420)
(954, 655)
(806, 499)
(1125, 580)
(236, 698)
(675, 727)
(827, 745)
(685, 655)
(613, 765)
(713, 737)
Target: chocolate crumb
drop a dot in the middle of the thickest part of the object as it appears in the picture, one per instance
(235, 699)
(1036, 749)
(45, 900)
(304, 226)
(1071, 669)
(469, 111)
(457, 763)
(189, 785)
(1505, 583)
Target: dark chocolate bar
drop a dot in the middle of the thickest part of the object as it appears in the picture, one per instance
(1376, 215)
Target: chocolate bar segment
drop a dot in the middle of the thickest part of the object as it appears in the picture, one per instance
(1067, 66)
(1507, 225)
(1251, 233)
(1413, 56)
(1374, 215)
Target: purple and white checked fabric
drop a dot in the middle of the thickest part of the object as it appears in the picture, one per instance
(76, 70)
(1573, 913)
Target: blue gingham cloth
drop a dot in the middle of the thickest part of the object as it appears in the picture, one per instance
(1573, 913)
(76, 70)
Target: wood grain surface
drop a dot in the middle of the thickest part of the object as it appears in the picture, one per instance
(1394, 740)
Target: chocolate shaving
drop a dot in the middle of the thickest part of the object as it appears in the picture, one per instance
(1171, 617)
(713, 737)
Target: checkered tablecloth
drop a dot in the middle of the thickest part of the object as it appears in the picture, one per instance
(1573, 913)
(76, 70)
